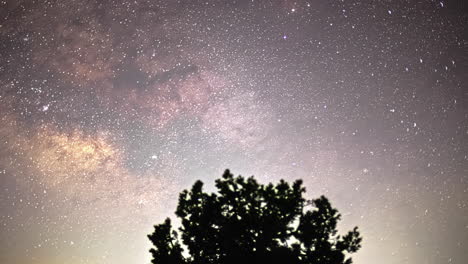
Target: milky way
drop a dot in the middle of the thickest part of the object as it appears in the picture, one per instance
(108, 109)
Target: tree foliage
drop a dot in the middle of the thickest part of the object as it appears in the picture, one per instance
(247, 222)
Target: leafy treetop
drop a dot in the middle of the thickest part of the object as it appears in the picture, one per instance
(247, 222)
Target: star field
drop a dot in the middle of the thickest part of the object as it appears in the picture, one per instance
(108, 109)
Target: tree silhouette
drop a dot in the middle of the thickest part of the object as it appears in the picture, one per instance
(247, 222)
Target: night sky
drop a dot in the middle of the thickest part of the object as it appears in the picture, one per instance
(108, 109)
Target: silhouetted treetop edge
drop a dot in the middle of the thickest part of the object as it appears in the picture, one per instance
(248, 222)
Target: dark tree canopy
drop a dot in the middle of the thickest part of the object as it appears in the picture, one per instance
(247, 222)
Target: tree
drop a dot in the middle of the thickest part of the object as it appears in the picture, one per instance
(247, 222)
